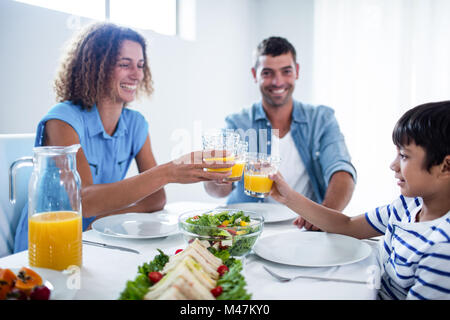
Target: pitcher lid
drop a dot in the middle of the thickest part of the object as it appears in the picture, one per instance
(57, 149)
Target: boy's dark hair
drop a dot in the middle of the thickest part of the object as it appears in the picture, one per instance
(273, 46)
(428, 126)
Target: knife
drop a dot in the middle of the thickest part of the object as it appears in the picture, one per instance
(108, 246)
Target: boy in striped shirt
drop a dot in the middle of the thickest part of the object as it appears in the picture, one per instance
(415, 249)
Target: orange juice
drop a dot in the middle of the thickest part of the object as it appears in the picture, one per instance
(54, 240)
(256, 183)
(236, 171)
(220, 160)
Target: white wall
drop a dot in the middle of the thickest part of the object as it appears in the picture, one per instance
(196, 83)
(31, 40)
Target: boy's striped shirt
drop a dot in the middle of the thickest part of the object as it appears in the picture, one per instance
(415, 255)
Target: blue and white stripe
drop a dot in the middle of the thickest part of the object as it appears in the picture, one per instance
(415, 255)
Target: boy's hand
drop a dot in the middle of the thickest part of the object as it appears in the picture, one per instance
(282, 193)
(300, 222)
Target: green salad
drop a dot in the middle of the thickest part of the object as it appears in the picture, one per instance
(136, 289)
(232, 282)
(231, 230)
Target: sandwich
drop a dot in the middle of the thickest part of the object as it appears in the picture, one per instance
(188, 275)
(197, 251)
(180, 283)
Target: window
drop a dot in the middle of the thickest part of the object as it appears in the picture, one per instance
(157, 15)
(94, 9)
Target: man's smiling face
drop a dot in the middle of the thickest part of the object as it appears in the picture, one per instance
(276, 78)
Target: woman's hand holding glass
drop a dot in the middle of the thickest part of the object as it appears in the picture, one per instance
(193, 166)
(233, 151)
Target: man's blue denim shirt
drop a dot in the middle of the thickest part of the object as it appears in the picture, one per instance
(316, 134)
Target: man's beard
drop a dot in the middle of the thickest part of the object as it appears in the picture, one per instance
(277, 103)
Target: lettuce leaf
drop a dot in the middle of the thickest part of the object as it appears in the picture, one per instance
(137, 289)
(233, 283)
(157, 264)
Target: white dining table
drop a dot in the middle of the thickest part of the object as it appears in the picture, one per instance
(105, 271)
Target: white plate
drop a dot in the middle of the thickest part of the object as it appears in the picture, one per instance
(271, 212)
(311, 249)
(56, 281)
(137, 225)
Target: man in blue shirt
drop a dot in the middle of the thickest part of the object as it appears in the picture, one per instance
(314, 158)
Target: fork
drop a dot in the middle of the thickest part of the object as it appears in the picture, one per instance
(287, 279)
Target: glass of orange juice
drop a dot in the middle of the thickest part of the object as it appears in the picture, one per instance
(256, 174)
(219, 147)
(240, 157)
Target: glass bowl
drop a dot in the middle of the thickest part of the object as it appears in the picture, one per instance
(236, 236)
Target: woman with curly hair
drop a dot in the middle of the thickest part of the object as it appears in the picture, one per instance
(104, 70)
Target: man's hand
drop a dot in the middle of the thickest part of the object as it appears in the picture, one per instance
(218, 188)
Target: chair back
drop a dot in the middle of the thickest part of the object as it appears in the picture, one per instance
(12, 147)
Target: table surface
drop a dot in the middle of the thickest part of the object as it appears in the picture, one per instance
(105, 271)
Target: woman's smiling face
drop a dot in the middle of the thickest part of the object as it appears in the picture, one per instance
(128, 72)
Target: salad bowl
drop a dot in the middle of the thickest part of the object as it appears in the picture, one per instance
(233, 230)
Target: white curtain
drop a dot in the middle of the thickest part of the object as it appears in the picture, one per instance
(373, 60)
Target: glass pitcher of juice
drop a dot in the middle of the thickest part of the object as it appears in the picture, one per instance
(54, 208)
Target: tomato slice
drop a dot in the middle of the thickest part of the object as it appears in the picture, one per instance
(155, 276)
(217, 291)
(222, 269)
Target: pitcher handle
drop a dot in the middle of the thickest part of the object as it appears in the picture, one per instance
(21, 162)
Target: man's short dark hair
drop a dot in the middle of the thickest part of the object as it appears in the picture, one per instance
(428, 126)
(274, 46)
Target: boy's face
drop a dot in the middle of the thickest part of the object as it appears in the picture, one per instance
(413, 178)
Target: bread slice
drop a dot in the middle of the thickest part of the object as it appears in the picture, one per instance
(179, 283)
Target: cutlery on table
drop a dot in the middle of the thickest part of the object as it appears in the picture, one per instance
(286, 279)
(108, 246)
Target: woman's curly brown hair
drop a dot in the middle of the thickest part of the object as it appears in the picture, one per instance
(85, 73)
